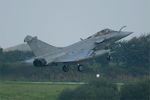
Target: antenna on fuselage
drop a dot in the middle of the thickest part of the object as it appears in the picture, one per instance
(122, 28)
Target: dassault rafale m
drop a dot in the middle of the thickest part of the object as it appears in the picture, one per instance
(85, 49)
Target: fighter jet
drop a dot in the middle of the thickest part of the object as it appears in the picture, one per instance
(91, 47)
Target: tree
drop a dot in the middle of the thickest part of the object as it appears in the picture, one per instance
(1, 50)
(94, 90)
(135, 52)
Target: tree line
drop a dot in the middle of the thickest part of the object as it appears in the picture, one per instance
(103, 89)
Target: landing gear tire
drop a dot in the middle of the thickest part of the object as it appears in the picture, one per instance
(80, 68)
(65, 68)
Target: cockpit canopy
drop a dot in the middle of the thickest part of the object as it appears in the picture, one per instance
(102, 32)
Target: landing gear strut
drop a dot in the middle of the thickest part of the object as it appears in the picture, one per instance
(108, 57)
(65, 68)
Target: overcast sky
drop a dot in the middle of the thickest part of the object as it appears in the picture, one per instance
(63, 22)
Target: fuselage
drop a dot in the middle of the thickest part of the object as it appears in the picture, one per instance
(86, 48)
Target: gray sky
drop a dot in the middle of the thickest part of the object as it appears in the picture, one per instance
(63, 22)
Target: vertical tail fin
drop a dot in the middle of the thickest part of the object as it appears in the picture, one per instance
(39, 47)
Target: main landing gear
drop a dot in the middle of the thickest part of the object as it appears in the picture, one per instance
(109, 57)
(80, 68)
(65, 68)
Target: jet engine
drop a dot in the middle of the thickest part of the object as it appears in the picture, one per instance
(39, 62)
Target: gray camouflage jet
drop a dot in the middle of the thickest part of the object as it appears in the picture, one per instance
(93, 46)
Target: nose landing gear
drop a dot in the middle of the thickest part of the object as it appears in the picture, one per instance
(109, 57)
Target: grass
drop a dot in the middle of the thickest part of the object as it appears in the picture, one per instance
(33, 90)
